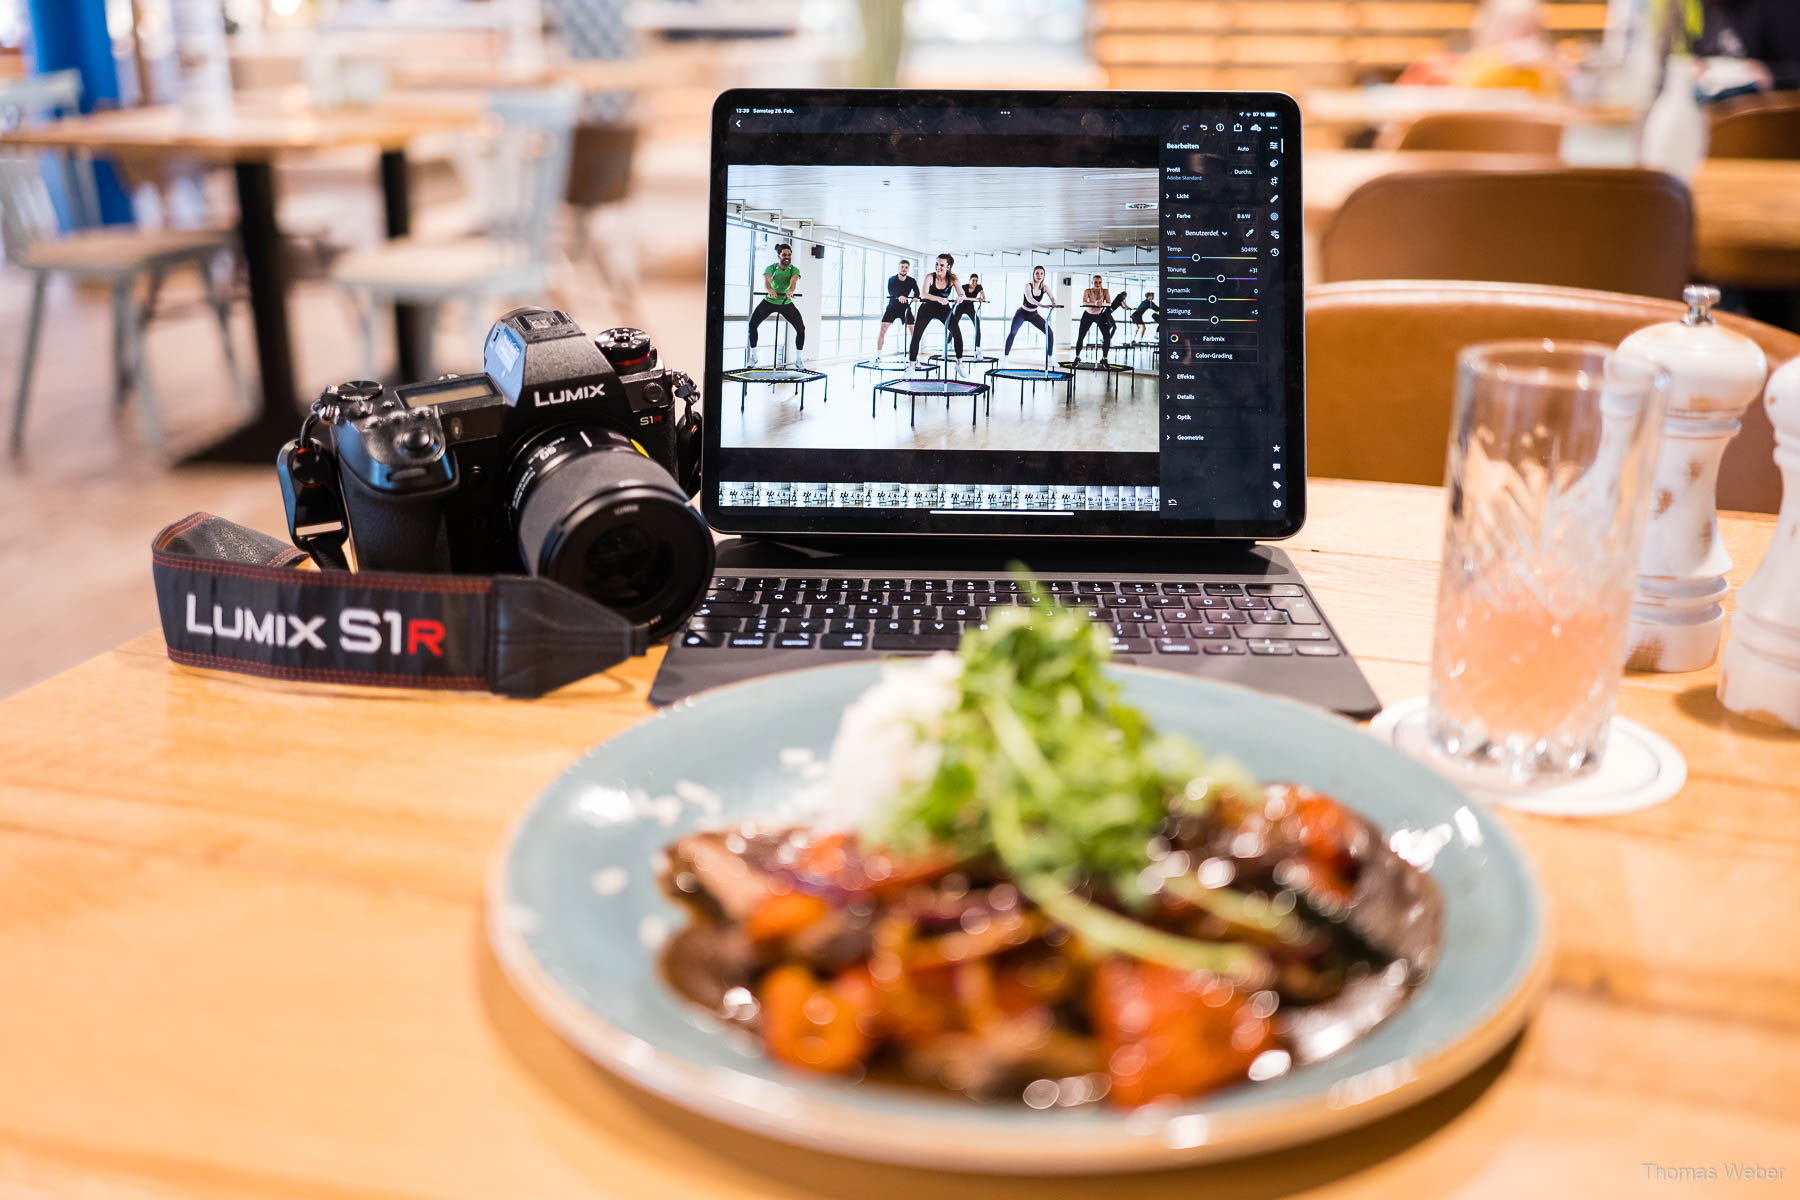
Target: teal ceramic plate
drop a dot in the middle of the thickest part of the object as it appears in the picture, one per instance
(576, 916)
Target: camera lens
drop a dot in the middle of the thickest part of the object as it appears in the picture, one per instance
(596, 514)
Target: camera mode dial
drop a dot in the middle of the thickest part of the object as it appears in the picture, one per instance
(627, 349)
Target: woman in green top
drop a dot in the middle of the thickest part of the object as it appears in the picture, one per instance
(780, 279)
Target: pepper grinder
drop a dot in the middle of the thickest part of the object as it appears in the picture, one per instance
(1761, 674)
(1714, 373)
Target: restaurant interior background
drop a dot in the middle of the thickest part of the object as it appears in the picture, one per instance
(106, 453)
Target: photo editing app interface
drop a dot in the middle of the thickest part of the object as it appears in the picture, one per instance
(969, 312)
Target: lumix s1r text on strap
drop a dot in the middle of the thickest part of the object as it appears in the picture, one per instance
(233, 599)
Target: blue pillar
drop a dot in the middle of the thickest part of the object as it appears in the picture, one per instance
(69, 34)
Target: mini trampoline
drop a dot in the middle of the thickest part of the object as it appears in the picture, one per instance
(745, 376)
(913, 389)
(1035, 376)
(896, 362)
(1112, 371)
(944, 363)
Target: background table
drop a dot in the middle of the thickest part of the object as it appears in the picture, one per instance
(241, 950)
(1746, 219)
(250, 139)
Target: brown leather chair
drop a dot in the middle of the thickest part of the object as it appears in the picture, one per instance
(1616, 230)
(1489, 133)
(1381, 371)
(1762, 126)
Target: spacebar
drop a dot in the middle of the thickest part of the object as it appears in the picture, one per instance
(915, 641)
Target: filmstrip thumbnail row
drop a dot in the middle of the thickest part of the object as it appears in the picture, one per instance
(983, 497)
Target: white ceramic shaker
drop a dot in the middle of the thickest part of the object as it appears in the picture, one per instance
(1760, 678)
(1714, 375)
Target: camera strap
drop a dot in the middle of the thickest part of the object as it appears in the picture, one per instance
(234, 599)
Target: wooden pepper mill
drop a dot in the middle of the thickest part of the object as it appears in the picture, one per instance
(1761, 674)
(1714, 374)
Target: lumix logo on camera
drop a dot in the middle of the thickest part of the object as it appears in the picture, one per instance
(359, 630)
(592, 391)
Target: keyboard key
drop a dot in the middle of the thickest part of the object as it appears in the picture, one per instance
(1146, 615)
(1008, 585)
(838, 583)
(1315, 650)
(891, 626)
(1164, 602)
(779, 595)
(760, 625)
(1127, 630)
(1096, 614)
(913, 641)
(869, 612)
(887, 585)
(1182, 616)
(1175, 646)
(759, 583)
(1131, 646)
(803, 625)
(1138, 587)
(702, 639)
(1270, 617)
(1249, 602)
(1225, 616)
(918, 612)
(748, 641)
(1283, 633)
(972, 585)
(1276, 648)
(729, 582)
(1098, 585)
(716, 624)
(731, 596)
(1276, 589)
(1223, 647)
(1179, 589)
(1224, 589)
(941, 628)
(1209, 602)
(793, 641)
(846, 627)
(960, 612)
(828, 612)
(1202, 630)
(1060, 587)
(1300, 612)
(787, 610)
(1165, 632)
(727, 608)
(844, 641)
(865, 596)
(822, 596)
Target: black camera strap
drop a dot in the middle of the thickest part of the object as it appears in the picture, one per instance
(234, 599)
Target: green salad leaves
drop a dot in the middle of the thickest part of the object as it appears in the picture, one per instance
(1044, 767)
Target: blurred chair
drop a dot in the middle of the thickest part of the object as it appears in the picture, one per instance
(1486, 133)
(599, 180)
(1381, 371)
(1616, 230)
(120, 256)
(521, 179)
(1761, 126)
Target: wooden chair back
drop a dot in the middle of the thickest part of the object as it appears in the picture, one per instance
(1611, 230)
(1381, 371)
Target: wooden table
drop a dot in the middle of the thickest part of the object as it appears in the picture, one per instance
(1746, 217)
(250, 138)
(241, 950)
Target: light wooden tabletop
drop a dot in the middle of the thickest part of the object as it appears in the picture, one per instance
(241, 950)
(254, 130)
(1747, 224)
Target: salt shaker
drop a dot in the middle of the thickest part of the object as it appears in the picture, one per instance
(1761, 674)
(1714, 374)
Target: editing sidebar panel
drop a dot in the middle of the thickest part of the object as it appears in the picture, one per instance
(1221, 354)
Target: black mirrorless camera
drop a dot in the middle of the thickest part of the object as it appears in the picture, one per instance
(570, 458)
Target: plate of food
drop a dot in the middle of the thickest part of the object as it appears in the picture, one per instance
(1016, 909)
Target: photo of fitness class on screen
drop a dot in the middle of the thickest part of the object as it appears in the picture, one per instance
(920, 308)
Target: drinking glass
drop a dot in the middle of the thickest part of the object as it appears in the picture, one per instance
(1552, 450)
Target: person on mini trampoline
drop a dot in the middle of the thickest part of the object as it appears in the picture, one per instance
(1096, 311)
(1036, 299)
(1147, 305)
(972, 294)
(938, 304)
(780, 279)
(902, 290)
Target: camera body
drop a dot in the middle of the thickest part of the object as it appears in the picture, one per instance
(569, 457)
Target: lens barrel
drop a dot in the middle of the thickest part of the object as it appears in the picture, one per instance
(596, 514)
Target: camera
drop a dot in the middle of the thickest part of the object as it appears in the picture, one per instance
(566, 458)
